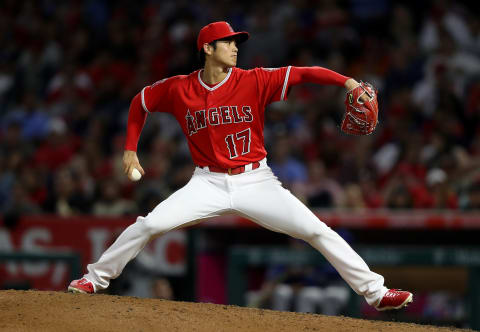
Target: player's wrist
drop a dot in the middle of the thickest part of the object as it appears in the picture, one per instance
(129, 155)
(351, 84)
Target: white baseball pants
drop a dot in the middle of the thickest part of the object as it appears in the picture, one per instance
(256, 195)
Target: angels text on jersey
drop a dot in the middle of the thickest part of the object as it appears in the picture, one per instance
(214, 116)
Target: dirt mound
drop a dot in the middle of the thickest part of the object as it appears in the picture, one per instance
(57, 311)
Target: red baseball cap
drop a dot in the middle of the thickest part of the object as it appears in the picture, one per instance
(219, 30)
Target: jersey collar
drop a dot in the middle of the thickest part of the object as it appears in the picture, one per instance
(216, 86)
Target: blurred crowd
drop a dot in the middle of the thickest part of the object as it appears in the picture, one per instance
(68, 70)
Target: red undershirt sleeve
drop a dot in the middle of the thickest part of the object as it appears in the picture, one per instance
(136, 120)
(318, 75)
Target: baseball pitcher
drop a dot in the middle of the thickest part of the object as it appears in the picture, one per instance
(221, 111)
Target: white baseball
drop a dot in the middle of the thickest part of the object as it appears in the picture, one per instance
(136, 175)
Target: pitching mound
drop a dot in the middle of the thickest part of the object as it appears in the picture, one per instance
(55, 311)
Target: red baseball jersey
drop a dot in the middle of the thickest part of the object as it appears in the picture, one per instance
(223, 123)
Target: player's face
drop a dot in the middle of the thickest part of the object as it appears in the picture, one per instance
(226, 53)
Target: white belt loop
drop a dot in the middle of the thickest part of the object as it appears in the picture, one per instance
(206, 169)
(248, 167)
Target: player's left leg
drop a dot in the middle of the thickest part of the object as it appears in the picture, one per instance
(260, 197)
(204, 196)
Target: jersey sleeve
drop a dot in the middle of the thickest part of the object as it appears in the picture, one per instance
(157, 97)
(136, 120)
(272, 83)
(315, 74)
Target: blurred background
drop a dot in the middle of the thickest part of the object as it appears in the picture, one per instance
(406, 197)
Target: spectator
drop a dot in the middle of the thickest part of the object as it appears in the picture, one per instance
(353, 198)
(286, 167)
(398, 197)
(32, 119)
(110, 203)
(320, 190)
(443, 197)
(20, 202)
(65, 199)
(471, 200)
(35, 186)
(58, 148)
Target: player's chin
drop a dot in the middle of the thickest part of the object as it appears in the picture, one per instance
(229, 63)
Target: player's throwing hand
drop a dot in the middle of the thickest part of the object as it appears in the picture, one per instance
(130, 161)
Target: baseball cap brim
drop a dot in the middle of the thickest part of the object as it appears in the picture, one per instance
(239, 37)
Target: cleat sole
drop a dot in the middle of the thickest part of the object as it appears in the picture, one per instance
(404, 304)
(76, 290)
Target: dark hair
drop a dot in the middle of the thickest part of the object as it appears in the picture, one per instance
(202, 55)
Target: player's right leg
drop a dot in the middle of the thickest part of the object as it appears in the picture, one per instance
(200, 198)
(261, 198)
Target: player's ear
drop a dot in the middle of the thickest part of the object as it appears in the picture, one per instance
(208, 49)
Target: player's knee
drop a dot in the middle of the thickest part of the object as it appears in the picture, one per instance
(315, 232)
(310, 234)
(151, 226)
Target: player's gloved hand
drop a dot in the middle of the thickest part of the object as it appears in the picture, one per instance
(361, 110)
(130, 161)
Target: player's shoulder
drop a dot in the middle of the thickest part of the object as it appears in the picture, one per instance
(260, 70)
(242, 72)
(171, 81)
(269, 70)
(246, 72)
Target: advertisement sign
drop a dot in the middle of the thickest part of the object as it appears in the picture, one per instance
(89, 237)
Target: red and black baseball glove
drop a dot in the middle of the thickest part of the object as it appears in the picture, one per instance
(361, 117)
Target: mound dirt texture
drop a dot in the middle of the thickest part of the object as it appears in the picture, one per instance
(57, 311)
